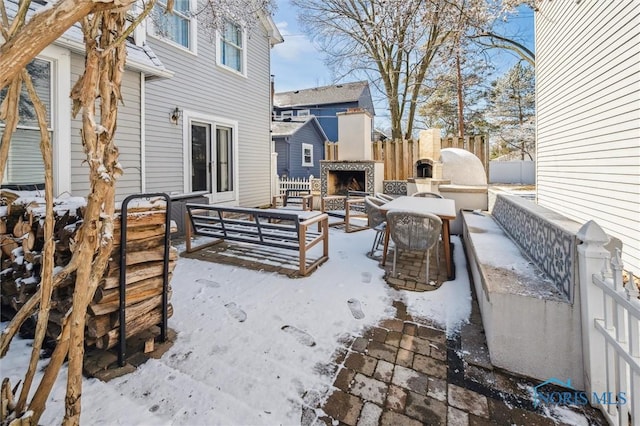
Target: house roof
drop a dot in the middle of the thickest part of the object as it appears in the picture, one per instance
(275, 37)
(285, 128)
(139, 58)
(289, 128)
(337, 93)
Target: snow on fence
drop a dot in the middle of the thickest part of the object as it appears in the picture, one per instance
(285, 183)
(610, 329)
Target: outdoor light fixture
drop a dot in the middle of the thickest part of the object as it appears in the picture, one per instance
(175, 115)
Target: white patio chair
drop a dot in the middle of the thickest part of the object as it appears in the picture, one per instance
(427, 194)
(377, 220)
(413, 231)
(384, 197)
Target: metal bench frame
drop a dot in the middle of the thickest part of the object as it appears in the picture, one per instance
(258, 226)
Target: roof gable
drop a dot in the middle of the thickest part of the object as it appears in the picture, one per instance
(289, 128)
(335, 94)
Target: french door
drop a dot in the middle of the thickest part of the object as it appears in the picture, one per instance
(212, 160)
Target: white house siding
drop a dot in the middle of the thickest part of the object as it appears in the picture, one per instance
(200, 86)
(127, 137)
(588, 103)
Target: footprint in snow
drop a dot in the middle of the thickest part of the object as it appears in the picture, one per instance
(208, 283)
(301, 336)
(366, 277)
(355, 308)
(235, 311)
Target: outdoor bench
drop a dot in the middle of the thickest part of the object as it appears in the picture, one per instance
(522, 263)
(301, 198)
(268, 227)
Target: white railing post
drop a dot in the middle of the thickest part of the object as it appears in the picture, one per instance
(634, 349)
(275, 180)
(591, 256)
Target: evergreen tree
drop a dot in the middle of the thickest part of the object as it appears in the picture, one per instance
(511, 112)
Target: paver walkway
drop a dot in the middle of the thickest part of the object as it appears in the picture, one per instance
(402, 372)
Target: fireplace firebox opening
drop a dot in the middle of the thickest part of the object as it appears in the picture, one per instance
(341, 181)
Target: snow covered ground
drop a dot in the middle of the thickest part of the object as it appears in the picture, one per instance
(251, 343)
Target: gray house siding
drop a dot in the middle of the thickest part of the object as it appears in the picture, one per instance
(282, 149)
(127, 137)
(366, 101)
(307, 134)
(201, 86)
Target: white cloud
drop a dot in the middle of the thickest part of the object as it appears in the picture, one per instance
(295, 46)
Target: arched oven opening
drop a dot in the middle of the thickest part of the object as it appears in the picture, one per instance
(424, 168)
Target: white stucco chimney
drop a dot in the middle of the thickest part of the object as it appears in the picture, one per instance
(354, 135)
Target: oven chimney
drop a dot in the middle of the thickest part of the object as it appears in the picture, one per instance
(354, 135)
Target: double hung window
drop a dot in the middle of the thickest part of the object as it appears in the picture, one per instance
(25, 167)
(231, 47)
(307, 155)
(176, 26)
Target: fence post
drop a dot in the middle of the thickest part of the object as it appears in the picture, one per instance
(593, 258)
(275, 179)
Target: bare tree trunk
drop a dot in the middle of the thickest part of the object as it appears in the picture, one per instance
(46, 283)
(460, 98)
(104, 69)
(43, 29)
(9, 113)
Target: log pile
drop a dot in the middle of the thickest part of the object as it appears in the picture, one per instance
(22, 239)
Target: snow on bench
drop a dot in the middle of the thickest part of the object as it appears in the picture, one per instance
(522, 261)
(268, 227)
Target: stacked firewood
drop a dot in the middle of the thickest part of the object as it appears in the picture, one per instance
(22, 239)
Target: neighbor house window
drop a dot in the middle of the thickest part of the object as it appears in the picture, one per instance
(175, 26)
(231, 47)
(304, 113)
(307, 155)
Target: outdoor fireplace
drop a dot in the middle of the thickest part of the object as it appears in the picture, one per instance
(338, 177)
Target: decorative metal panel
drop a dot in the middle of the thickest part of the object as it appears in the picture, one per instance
(551, 247)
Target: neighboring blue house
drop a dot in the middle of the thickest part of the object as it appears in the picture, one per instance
(324, 103)
(300, 147)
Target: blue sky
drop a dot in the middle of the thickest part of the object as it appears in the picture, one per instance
(297, 64)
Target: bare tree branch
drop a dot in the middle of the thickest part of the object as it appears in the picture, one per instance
(500, 42)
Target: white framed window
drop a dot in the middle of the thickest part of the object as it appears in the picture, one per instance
(232, 52)
(286, 114)
(178, 27)
(211, 156)
(307, 155)
(51, 76)
(304, 113)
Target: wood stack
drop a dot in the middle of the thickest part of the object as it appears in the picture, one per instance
(22, 237)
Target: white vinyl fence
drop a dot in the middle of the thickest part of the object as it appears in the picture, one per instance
(285, 183)
(522, 172)
(610, 329)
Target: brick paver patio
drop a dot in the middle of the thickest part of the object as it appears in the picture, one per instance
(405, 371)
